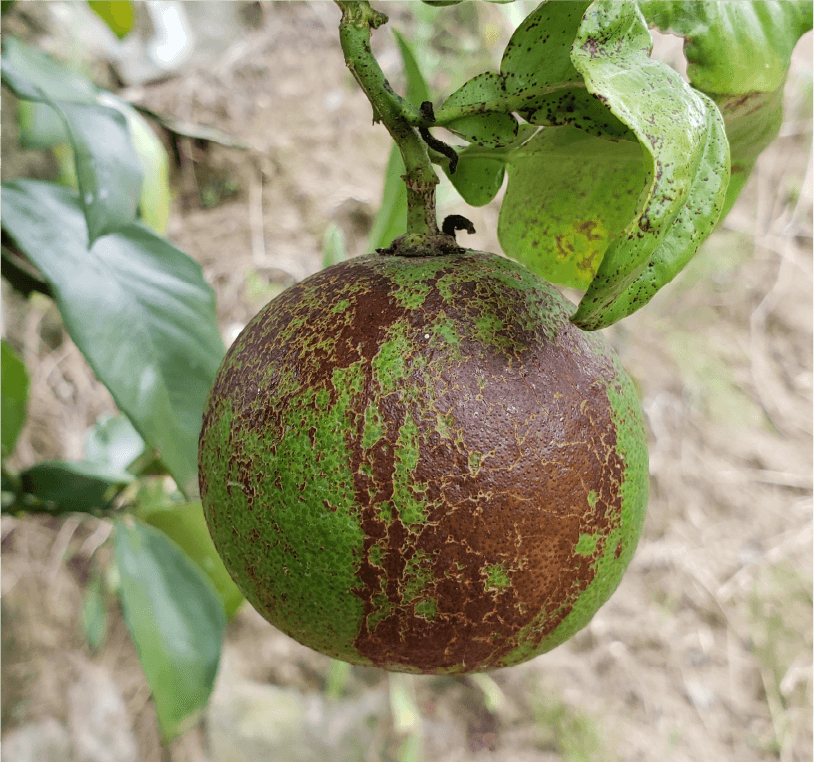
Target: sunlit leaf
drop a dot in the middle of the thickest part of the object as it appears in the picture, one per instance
(117, 14)
(14, 397)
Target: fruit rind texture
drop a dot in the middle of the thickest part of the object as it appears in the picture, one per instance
(420, 464)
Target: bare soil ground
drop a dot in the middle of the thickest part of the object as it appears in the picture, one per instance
(705, 650)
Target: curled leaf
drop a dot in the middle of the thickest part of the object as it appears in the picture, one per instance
(688, 231)
(734, 48)
(678, 130)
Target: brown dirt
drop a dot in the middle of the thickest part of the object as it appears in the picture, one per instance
(704, 652)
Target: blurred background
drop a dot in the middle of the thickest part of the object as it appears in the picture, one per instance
(705, 650)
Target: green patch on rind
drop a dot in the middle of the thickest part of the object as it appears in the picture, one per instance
(309, 583)
(586, 545)
(427, 608)
(496, 576)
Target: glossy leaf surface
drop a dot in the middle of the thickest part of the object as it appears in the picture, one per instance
(138, 309)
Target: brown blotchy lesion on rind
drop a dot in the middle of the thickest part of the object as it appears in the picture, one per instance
(541, 426)
(535, 417)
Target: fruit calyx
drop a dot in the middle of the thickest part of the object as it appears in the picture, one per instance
(423, 245)
(418, 245)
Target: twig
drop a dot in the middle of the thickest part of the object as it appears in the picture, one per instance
(256, 219)
(60, 547)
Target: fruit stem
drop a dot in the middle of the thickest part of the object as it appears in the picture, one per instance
(358, 18)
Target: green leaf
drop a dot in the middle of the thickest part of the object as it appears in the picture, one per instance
(117, 14)
(73, 487)
(40, 125)
(176, 620)
(107, 167)
(680, 131)
(184, 523)
(417, 90)
(486, 129)
(94, 614)
(739, 53)
(537, 57)
(478, 176)
(480, 171)
(569, 195)
(752, 123)
(137, 308)
(14, 399)
(334, 247)
(391, 219)
(114, 442)
(734, 48)
(29, 73)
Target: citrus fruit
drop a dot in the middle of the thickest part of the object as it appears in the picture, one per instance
(419, 463)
